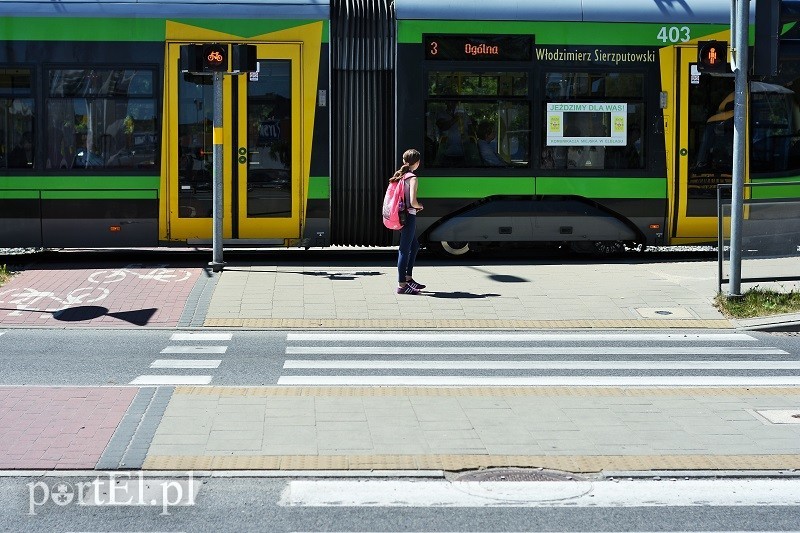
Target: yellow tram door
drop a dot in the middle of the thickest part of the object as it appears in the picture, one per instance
(262, 184)
(704, 148)
(268, 145)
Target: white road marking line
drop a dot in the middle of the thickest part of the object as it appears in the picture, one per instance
(426, 493)
(545, 381)
(171, 380)
(529, 350)
(515, 337)
(195, 349)
(186, 363)
(544, 365)
(201, 336)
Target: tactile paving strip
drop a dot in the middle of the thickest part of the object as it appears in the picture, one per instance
(455, 463)
(337, 323)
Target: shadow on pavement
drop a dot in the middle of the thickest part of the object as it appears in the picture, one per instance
(139, 317)
(458, 295)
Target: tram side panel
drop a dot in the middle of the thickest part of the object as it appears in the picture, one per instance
(81, 155)
(317, 228)
(585, 192)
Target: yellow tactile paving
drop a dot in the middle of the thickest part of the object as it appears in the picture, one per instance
(568, 463)
(485, 391)
(444, 324)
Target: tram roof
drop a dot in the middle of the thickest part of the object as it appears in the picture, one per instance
(280, 9)
(657, 11)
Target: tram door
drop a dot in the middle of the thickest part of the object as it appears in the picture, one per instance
(261, 150)
(704, 149)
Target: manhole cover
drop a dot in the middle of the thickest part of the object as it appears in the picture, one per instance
(517, 474)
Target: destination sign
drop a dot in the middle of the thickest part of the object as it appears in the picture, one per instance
(479, 47)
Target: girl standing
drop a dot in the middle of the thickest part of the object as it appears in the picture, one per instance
(409, 244)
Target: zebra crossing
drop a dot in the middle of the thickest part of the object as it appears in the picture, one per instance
(534, 359)
(195, 348)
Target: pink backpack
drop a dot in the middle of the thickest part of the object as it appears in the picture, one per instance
(394, 205)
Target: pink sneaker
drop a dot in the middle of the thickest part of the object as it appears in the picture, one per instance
(407, 289)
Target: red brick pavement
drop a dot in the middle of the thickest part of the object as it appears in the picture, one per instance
(59, 427)
(102, 296)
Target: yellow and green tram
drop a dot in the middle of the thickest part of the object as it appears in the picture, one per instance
(582, 123)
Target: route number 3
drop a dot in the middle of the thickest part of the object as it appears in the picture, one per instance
(674, 34)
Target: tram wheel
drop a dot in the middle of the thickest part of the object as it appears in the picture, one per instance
(455, 247)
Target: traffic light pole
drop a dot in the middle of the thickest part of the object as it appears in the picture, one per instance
(740, 21)
(217, 264)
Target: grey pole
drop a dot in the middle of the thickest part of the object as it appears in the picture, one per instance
(217, 264)
(740, 23)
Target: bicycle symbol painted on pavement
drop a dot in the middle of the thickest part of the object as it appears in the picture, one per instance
(30, 299)
(161, 274)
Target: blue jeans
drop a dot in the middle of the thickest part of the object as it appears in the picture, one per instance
(409, 246)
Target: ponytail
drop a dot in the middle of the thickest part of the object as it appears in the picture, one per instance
(410, 157)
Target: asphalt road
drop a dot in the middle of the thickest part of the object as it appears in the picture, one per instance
(278, 505)
(118, 357)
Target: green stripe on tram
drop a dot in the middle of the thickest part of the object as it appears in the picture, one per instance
(133, 29)
(319, 188)
(600, 187)
(80, 187)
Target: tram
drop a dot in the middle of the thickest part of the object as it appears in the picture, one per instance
(579, 123)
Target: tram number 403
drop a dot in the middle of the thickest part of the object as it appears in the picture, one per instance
(674, 34)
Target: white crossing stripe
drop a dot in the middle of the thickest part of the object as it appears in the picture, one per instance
(171, 380)
(637, 493)
(515, 337)
(542, 365)
(195, 349)
(186, 363)
(201, 336)
(528, 350)
(544, 381)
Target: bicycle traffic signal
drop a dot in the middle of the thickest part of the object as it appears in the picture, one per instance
(771, 46)
(219, 57)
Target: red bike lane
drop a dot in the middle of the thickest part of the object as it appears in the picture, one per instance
(110, 295)
(59, 427)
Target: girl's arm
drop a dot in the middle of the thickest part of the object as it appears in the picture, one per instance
(412, 192)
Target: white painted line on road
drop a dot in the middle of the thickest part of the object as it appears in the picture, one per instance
(195, 349)
(528, 350)
(201, 336)
(171, 380)
(544, 365)
(546, 381)
(514, 337)
(425, 493)
(186, 363)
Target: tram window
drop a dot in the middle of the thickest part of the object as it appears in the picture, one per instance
(17, 117)
(101, 119)
(596, 151)
(477, 119)
(774, 128)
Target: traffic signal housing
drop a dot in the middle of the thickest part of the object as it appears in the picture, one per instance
(712, 57)
(770, 46)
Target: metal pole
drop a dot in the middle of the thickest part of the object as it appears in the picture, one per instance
(740, 25)
(217, 264)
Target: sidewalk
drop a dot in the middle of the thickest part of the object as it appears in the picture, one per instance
(580, 429)
(462, 295)
(283, 292)
(403, 428)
